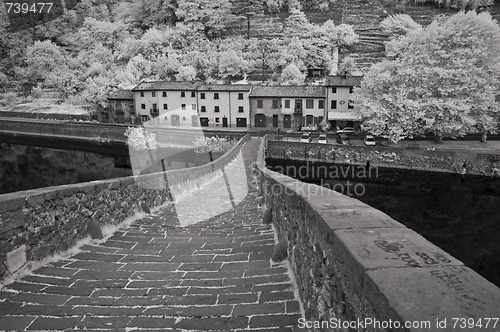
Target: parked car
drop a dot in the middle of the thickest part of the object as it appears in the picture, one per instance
(343, 139)
(370, 140)
(306, 138)
(322, 139)
(346, 130)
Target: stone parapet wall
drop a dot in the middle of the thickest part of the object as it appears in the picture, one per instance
(37, 223)
(356, 264)
(394, 157)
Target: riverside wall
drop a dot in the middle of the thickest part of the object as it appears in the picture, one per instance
(37, 223)
(356, 264)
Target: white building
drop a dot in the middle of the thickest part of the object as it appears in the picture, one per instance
(155, 98)
(222, 105)
(342, 110)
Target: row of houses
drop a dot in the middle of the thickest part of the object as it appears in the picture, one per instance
(187, 104)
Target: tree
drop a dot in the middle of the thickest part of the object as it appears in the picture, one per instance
(398, 25)
(292, 75)
(293, 52)
(264, 54)
(232, 64)
(109, 34)
(248, 10)
(444, 82)
(186, 73)
(296, 24)
(44, 58)
(339, 37)
(208, 16)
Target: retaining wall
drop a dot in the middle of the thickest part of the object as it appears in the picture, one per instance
(356, 264)
(421, 159)
(37, 223)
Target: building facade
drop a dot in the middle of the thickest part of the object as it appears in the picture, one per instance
(287, 107)
(224, 105)
(152, 99)
(342, 109)
(121, 107)
(251, 106)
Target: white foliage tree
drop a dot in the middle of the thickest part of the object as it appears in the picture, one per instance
(292, 75)
(186, 73)
(444, 82)
(139, 139)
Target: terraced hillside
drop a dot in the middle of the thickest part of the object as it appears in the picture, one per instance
(364, 15)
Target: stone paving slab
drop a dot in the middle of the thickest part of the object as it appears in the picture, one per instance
(211, 274)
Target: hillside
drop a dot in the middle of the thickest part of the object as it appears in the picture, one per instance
(364, 15)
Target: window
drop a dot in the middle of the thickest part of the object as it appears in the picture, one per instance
(143, 106)
(183, 94)
(259, 103)
(202, 95)
(287, 103)
(142, 93)
(240, 109)
(193, 107)
(309, 103)
(216, 95)
(351, 89)
(350, 104)
(334, 104)
(203, 109)
(155, 106)
(164, 93)
(153, 93)
(240, 95)
(216, 119)
(144, 118)
(216, 109)
(183, 106)
(321, 104)
(275, 103)
(193, 93)
(165, 106)
(334, 90)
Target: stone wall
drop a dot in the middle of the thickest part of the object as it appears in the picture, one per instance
(394, 157)
(356, 264)
(37, 223)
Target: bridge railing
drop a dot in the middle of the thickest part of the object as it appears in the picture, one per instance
(356, 265)
(37, 223)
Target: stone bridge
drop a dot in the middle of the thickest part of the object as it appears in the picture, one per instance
(349, 262)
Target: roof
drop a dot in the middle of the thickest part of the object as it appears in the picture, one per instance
(224, 87)
(302, 91)
(122, 94)
(340, 81)
(166, 85)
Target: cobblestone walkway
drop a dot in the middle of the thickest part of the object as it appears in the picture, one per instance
(157, 276)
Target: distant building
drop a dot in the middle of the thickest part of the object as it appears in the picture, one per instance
(342, 110)
(153, 97)
(217, 105)
(287, 106)
(224, 105)
(195, 104)
(121, 107)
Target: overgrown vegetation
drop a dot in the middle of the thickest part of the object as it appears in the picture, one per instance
(99, 46)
